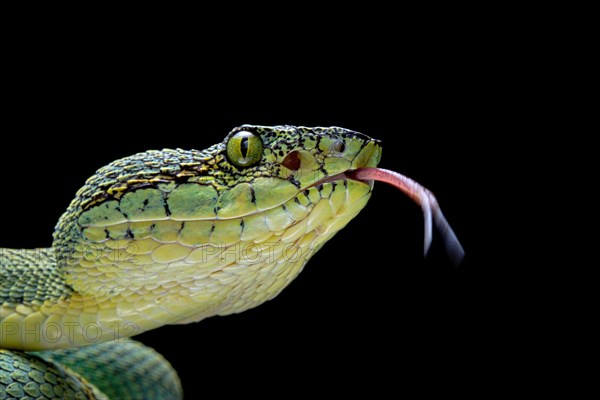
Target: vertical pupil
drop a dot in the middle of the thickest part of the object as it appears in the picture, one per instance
(244, 147)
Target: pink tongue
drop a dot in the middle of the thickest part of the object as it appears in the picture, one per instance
(423, 197)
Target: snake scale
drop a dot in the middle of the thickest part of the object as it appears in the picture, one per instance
(173, 237)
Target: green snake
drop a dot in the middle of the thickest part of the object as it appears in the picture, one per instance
(173, 237)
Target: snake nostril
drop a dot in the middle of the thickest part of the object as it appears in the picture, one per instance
(292, 161)
(339, 146)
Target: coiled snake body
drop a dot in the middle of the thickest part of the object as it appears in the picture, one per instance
(173, 237)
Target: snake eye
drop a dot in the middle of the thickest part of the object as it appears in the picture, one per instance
(244, 149)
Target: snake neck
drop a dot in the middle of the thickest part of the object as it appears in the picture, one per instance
(30, 276)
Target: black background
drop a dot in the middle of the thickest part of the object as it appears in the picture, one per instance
(368, 312)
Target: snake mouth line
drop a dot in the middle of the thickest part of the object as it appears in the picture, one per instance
(349, 174)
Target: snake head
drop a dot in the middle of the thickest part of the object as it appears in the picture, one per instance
(159, 215)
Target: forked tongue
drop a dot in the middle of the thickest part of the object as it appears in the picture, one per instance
(427, 201)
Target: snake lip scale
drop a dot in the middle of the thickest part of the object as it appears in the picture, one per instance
(173, 237)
